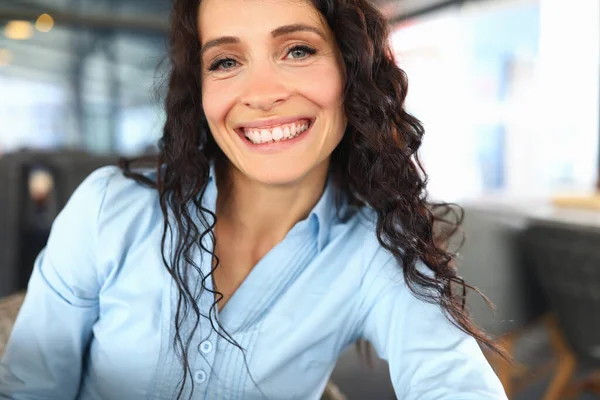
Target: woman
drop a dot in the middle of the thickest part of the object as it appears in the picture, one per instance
(288, 220)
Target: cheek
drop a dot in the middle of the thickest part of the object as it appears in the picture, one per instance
(324, 87)
(216, 103)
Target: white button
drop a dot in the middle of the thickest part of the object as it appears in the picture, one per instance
(206, 347)
(200, 377)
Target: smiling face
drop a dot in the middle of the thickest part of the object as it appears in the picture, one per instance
(272, 85)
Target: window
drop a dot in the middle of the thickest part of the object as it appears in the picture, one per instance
(508, 93)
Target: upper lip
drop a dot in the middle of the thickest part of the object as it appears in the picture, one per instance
(270, 122)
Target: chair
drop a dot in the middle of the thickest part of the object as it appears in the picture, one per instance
(566, 260)
(489, 260)
(9, 308)
(24, 225)
(361, 374)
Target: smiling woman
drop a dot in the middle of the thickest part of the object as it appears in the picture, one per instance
(286, 219)
(272, 88)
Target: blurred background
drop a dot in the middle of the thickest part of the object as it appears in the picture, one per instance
(509, 94)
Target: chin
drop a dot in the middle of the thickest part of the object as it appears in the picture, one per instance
(277, 177)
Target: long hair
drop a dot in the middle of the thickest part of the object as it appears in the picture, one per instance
(375, 165)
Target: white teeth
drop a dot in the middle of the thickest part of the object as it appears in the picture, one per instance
(277, 134)
(265, 136)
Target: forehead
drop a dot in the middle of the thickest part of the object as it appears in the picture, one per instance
(247, 17)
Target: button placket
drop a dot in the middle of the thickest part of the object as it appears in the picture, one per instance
(205, 350)
(205, 360)
(200, 376)
(206, 347)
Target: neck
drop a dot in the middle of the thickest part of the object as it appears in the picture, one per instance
(261, 214)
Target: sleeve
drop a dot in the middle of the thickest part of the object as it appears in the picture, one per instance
(44, 356)
(429, 357)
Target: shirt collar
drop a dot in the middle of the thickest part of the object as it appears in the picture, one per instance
(323, 213)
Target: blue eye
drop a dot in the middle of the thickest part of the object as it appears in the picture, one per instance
(301, 52)
(224, 64)
(298, 52)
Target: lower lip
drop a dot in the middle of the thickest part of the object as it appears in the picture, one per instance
(273, 147)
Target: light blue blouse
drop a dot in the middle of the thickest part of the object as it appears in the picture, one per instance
(97, 322)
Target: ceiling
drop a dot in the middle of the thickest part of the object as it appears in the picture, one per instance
(400, 9)
(118, 41)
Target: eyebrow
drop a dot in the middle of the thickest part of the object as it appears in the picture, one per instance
(282, 30)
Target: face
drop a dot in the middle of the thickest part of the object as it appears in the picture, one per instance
(272, 84)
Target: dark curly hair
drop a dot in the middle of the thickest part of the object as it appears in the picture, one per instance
(376, 165)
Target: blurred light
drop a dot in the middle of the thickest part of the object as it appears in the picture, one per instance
(5, 57)
(18, 30)
(41, 184)
(44, 23)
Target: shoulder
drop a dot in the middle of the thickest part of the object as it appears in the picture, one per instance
(92, 190)
(122, 189)
(84, 205)
(105, 215)
(125, 196)
(367, 265)
(381, 271)
(129, 215)
(378, 259)
(375, 258)
(106, 196)
(110, 184)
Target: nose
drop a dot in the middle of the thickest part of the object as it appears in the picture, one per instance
(264, 89)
